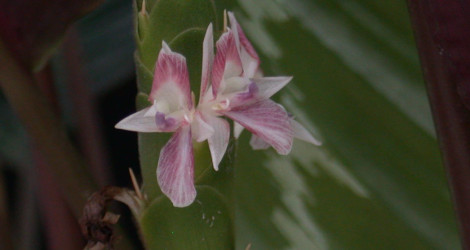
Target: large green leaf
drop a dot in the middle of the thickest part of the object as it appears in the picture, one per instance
(377, 182)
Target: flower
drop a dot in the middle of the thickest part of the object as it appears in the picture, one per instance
(172, 110)
(232, 86)
(238, 91)
(250, 62)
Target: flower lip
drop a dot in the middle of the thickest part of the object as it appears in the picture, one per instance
(164, 123)
(249, 94)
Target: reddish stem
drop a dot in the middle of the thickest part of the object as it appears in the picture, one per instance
(88, 122)
(442, 31)
(61, 228)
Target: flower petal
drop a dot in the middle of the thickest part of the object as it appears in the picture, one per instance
(218, 142)
(168, 123)
(227, 61)
(268, 120)
(237, 129)
(301, 133)
(248, 55)
(139, 122)
(200, 129)
(171, 80)
(258, 143)
(249, 95)
(175, 171)
(268, 86)
(207, 60)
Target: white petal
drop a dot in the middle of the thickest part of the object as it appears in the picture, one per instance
(175, 171)
(258, 143)
(268, 86)
(237, 129)
(138, 122)
(207, 60)
(165, 47)
(301, 133)
(218, 142)
(200, 129)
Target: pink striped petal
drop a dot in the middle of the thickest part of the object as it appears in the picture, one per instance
(250, 95)
(171, 80)
(301, 133)
(249, 57)
(268, 86)
(207, 60)
(218, 142)
(139, 122)
(258, 143)
(268, 120)
(175, 171)
(226, 62)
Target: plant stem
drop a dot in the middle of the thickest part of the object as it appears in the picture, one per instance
(5, 235)
(88, 122)
(46, 131)
(442, 31)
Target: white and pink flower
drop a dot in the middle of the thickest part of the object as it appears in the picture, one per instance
(232, 86)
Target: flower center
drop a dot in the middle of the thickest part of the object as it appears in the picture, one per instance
(221, 106)
(189, 116)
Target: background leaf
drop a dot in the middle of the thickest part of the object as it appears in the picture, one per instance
(377, 182)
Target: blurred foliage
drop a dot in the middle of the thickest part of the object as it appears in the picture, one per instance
(377, 182)
(32, 29)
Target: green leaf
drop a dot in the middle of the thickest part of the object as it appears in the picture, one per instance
(206, 224)
(169, 18)
(357, 85)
